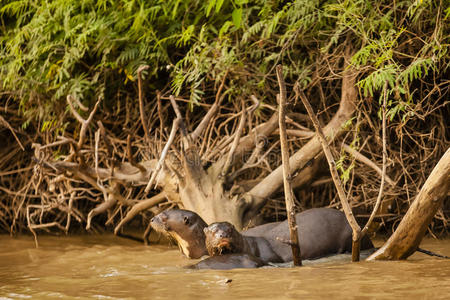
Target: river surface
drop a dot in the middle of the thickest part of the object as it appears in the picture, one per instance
(109, 267)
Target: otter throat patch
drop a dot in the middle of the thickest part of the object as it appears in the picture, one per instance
(182, 244)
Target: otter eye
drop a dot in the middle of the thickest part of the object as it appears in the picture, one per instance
(186, 220)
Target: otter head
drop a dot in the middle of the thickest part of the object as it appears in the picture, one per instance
(186, 227)
(222, 238)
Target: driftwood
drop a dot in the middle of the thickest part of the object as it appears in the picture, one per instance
(409, 233)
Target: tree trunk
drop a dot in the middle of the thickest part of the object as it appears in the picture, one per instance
(412, 228)
(203, 192)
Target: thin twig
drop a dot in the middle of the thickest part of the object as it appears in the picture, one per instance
(186, 138)
(106, 140)
(334, 174)
(131, 157)
(111, 197)
(383, 173)
(211, 112)
(6, 124)
(69, 211)
(97, 142)
(84, 123)
(237, 137)
(175, 125)
(137, 208)
(367, 162)
(141, 102)
(161, 119)
(288, 194)
(62, 141)
(31, 228)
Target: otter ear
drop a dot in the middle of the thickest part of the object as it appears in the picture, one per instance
(205, 230)
(186, 220)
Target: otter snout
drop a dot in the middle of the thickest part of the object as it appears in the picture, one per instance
(159, 222)
(215, 234)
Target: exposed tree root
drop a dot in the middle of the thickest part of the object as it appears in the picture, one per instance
(223, 162)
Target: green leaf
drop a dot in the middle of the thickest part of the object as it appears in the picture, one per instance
(224, 28)
(210, 6)
(237, 17)
(219, 4)
(240, 2)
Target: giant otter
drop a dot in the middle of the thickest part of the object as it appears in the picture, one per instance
(260, 230)
(223, 238)
(322, 232)
(229, 261)
(186, 227)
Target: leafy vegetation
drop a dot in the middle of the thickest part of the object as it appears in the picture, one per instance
(50, 49)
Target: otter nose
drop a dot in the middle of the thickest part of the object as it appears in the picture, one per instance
(160, 218)
(155, 219)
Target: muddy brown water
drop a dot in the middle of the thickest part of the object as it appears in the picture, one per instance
(109, 267)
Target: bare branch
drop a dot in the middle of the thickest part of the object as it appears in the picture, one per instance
(106, 140)
(163, 154)
(141, 206)
(97, 142)
(271, 183)
(108, 204)
(125, 172)
(186, 137)
(175, 107)
(131, 157)
(383, 173)
(264, 130)
(303, 134)
(160, 116)
(84, 123)
(211, 112)
(40, 226)
(409, 233)
(69, 211)
(237, 136)
(367, 162)
(80, 105)
(77, 116)
(334, 174)
(31, 227)
(62, 141)
(205, 121)
(141, 102)
(6, 124)
(288, 194)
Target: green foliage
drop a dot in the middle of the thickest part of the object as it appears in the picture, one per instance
(91, 49)
(344, 170)
(383, 47)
